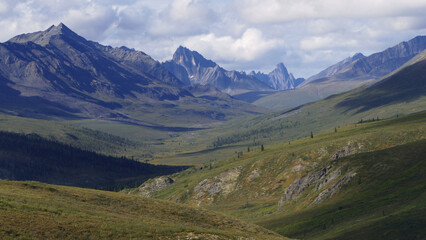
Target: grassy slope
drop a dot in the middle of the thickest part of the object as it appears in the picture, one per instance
(305, 94)
(76, 136)
(386, 201)
(30, 210)
(256, 200)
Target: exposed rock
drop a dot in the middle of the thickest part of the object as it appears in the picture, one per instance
(222, 184)
(298, 186)
(255, 174)
(148, 189)
(328, 178)
(321, 179)
(335, 188)
(345, 151)
(298, 168)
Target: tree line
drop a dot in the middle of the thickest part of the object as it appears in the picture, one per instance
(31, 157)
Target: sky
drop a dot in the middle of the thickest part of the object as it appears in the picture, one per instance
(244, 35)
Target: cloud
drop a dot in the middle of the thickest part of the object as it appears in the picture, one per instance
(183, 17)
(267, 11)
(250, 46)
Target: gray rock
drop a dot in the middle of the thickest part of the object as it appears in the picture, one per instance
(335, 188)
(299, 185)
(149, 188)
(254, 174)
(345, 151)
(222, 184)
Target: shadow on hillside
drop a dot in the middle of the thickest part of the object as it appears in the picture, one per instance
(405, 86)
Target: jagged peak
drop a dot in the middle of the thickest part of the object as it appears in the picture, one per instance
(281, 65)
(358, 56)
(185, 56)
(281, 68)
(43, 37)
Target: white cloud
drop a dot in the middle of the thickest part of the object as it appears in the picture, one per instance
(250, 46)
(183, 17)
(267, 11)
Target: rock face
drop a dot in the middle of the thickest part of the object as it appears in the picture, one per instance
(148, 189)
(297, 187)
(279, 78)
(334, 188)
(345, 151)
(193, 69)
(222, 184)
(323, 178)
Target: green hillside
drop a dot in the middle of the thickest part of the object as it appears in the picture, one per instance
(30, 210)
(379, 166)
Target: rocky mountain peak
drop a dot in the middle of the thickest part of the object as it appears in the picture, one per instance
(185, 57)
(44, 37)
(357, 56)
(281, 69)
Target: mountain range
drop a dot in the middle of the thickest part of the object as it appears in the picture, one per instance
(193, 69)
(347, 74)
(58, 73)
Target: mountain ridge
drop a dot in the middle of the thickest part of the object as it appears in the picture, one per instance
(64, 75)
(346, 75)
(192, 68)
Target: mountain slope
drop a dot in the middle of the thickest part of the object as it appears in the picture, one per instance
(347, 74)
(405, 85)
(192, 68)
(30, 210)
(349, 181)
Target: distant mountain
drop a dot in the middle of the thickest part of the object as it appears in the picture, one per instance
(332, 70)
(346, 75)
(374, 66)
(404, 85)
(193, 69)
(58, 73)
(279, 78)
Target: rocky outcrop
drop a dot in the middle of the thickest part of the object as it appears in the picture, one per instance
(149, 188)
(345, 151)
(319, 180)
(335, 188)
(297, 187)
(222, 184)
(254, 174)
